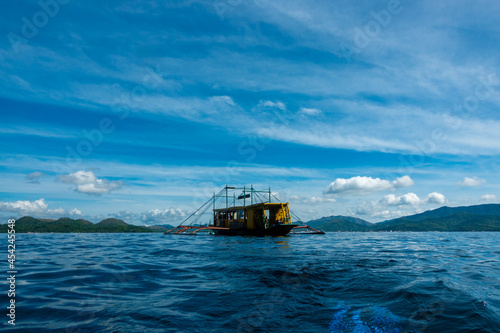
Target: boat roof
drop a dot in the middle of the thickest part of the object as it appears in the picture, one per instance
(263, 205)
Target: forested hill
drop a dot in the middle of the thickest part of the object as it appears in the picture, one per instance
(30, 224)
(465, 218)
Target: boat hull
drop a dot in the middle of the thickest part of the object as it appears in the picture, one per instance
(278, 230)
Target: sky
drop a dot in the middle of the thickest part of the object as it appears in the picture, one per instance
(141, 110)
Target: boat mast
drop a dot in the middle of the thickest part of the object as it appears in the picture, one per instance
(251, 194)
(226, 199)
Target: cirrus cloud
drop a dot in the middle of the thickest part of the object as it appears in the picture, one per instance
(309, 112)
(271, 104)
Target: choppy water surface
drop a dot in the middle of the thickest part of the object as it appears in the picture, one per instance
(339, 282)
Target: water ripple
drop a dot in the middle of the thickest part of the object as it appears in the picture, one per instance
(340, 282)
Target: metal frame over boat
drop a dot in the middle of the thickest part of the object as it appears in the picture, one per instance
(246, 212)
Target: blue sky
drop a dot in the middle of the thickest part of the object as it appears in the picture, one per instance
(141, 110)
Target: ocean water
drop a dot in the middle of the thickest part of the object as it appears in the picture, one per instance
(339, 282)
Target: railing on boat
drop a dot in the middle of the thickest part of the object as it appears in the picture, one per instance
(182, 230)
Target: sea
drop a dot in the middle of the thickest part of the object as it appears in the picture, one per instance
(386, 282)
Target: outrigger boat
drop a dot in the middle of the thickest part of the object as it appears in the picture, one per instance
(250, 213)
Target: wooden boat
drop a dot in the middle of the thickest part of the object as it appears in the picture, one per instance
(250, 213)
(259, 219)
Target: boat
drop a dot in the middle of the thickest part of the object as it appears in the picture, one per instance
(244, 211)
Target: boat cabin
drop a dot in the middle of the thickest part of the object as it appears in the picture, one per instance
(258, 216)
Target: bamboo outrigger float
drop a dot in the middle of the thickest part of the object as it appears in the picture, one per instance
(250, 213)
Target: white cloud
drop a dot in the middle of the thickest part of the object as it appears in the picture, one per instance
(435, 198)
(126, 216)
(87, 182)
(472, 182)
(309, 200)
(405, 199)
(375, 210)
(222, 99)
(387, 214)
(38, 207)
(413, 199)
(151, 217)
(489, 197)
(309, 112)
(166, 216)
(409, 201)
(270, 104)
(404, 181)
(365, 185)
(75, 211)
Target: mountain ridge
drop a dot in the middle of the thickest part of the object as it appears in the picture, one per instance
(463, 218)
(484, 217)
(28, 224)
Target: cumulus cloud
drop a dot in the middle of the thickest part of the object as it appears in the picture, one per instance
(489, 197)
(412, 199)
(472, 182)
(365, 185)
(388, 214)
(405, 199)
(126, 216)
(435, 198)
(75, 211)
(87, 182)
(309, 112)
(151, 217)
(158, 216)
(409, 201)
(39, 208)
(375, 210)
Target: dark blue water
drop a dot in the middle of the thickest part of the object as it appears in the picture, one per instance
(339, 282)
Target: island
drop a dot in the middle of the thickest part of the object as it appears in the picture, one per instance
(465, 218)
(28, 224)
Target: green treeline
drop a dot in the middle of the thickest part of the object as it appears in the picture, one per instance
(454, 222)
(66, 225)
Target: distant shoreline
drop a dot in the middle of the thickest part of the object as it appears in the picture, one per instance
(478, 218)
